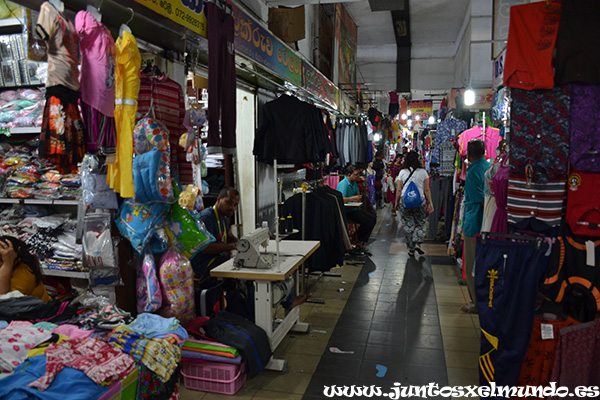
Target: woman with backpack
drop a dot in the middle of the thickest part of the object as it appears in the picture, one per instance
(413, 199)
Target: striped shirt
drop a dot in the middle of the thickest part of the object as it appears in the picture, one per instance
(542, 201)
(169, 108)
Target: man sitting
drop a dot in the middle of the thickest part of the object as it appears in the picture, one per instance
(350, 192)
(216, 220)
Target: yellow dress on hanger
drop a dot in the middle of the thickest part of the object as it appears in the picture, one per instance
(127, 89)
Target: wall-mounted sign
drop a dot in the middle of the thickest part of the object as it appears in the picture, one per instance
(421, 108)
(316, 83)
(187, 13)
(483, 99)
(258, 44)
(498, 70)
(346, 35)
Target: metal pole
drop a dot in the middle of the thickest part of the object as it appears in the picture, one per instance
(304, 274)
(276, 213)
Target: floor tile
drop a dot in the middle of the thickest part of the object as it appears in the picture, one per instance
(383, 353)
(462, 359)
(375, 371)
(456, 321)
(428, 341)
(453, 343)
(424, 374)
(415, 355)
(288, 383)
(386, 338)
(347, 336)
(463, 376)
(460, 332)
(330, 365)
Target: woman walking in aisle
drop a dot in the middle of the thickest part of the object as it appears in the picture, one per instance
(413, 219)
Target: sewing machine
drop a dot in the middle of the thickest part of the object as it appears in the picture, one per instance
(248, 250)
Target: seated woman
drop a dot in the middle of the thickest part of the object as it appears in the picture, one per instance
(20, 270)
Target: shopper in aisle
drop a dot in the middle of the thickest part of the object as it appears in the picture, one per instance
(379, 167)
(20, 270)
(413, 219)
(394, 171)
(216, 220)
(350, 192)
(474, 198)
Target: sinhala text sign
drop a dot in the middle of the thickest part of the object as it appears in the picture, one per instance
(258, 44)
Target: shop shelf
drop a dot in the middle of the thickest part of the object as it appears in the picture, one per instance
(25, 130)
(65, 274)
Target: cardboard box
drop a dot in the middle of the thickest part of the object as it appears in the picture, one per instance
(287, 23)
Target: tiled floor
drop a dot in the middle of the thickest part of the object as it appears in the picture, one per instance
(398, 317)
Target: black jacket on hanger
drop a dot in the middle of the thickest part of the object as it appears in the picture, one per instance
(322, 223)
(291, 131)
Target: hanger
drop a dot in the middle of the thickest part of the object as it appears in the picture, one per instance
(125, 26)
(95, 12)
(59, 5)
(526, 238)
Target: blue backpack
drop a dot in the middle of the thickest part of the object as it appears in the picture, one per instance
(412, 197)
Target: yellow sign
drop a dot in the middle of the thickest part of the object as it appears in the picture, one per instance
(421, 108)
(187, 13)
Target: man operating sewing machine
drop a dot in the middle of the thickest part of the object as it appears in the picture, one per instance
(216, 220)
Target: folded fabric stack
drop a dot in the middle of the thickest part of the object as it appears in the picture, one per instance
(21, 108)
(160, 356)
(26, 176)
(202, 350)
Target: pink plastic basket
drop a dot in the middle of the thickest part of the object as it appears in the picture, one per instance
(220, 378)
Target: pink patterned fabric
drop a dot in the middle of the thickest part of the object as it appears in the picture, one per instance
(72, 331)
(100, 361)
(577, 356)
(15, 342)
(500, 190)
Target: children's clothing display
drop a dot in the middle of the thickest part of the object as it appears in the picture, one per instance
(97, 81)
(127, 88)
(61, 140)
(163, 97)
(63, 47)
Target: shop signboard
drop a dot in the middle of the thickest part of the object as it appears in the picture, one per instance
(254, 41)
(346, 33)
(483, 99)
(421, 108)
(317, 84)
(498, 70)
(187, 13)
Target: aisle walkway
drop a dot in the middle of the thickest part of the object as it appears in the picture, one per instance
(398, 317)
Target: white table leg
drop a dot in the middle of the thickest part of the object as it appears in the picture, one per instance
(277, 365)
(263, 308)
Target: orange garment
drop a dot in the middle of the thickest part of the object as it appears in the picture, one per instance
(531, 41)
(536, 369)
(24, 281)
